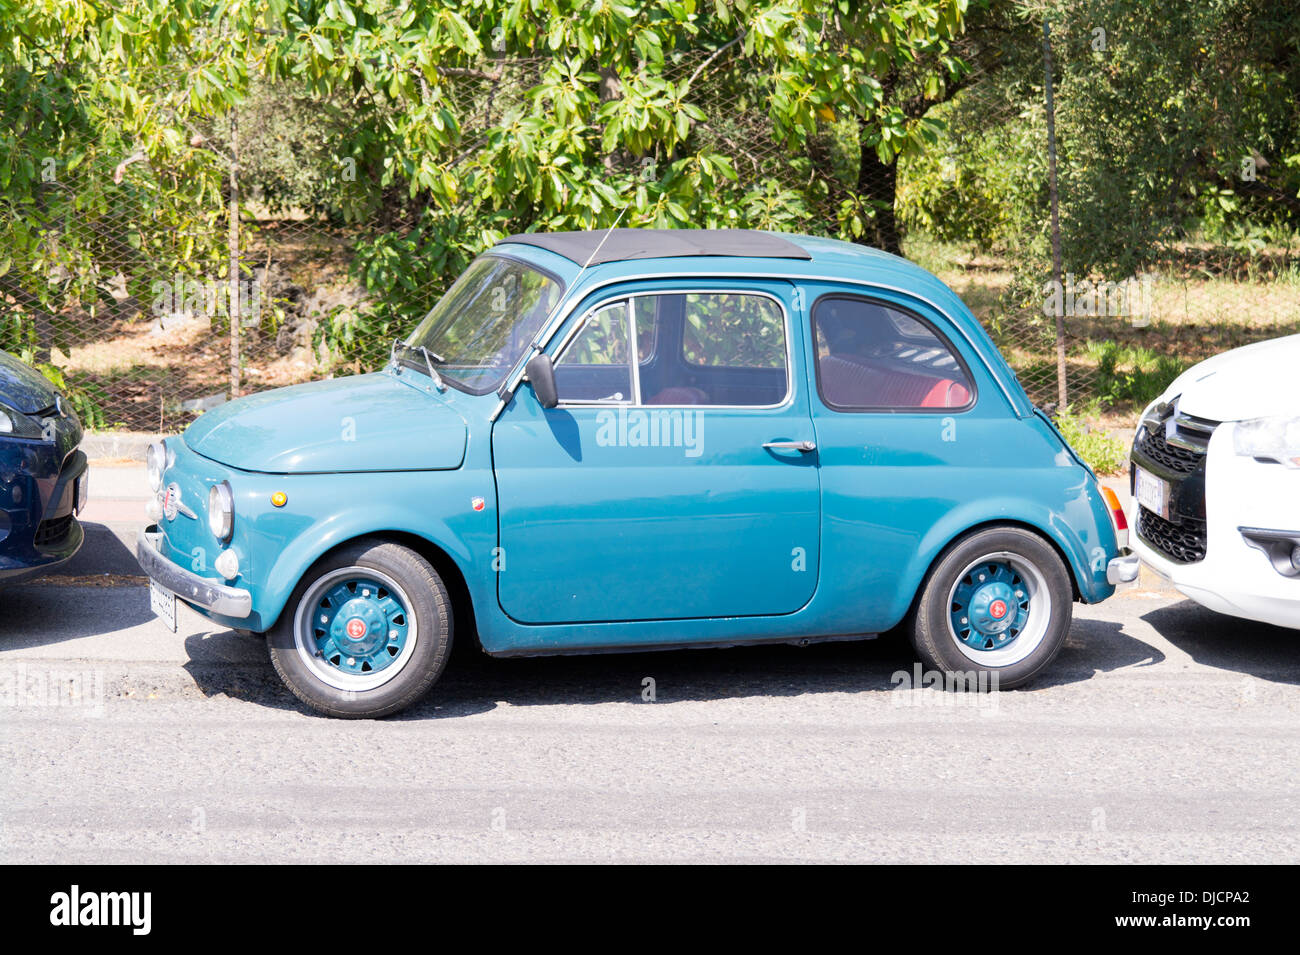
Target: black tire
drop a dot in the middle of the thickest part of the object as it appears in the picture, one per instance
(323, 686)
(937, 617)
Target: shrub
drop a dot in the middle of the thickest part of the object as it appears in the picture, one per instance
(1105, 454)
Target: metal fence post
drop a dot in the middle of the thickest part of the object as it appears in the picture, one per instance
(1062, 394)
(232, 305)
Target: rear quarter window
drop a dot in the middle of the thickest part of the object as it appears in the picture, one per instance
(873, 356)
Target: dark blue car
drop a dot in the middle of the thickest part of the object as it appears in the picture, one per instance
(43, 477)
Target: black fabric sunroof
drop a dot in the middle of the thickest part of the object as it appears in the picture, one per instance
(624, 244)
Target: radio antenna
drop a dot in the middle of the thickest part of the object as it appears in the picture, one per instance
(601, 244)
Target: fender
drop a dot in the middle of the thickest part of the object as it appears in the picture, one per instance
(467, 536)
(1081, 531)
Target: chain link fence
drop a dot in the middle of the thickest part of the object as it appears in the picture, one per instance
(148, 348)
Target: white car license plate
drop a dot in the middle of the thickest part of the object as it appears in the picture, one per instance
(1152, 493)
(163, 603)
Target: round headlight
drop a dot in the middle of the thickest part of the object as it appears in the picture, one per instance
(221, 511)
(155, 461)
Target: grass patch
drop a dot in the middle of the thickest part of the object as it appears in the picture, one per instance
(1131, 373)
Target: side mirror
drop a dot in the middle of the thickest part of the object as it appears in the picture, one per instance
(541, 375)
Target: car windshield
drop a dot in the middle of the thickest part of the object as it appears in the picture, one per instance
(478, 330)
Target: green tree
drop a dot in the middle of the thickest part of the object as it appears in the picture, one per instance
(461, 121)
(1172, 117)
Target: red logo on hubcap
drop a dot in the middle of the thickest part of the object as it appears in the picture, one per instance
(998, 609)
(356, 628)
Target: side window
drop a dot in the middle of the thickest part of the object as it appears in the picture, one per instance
(596, 364)
(692, 348)
(874, 357)
(733, 351)
(733, 330)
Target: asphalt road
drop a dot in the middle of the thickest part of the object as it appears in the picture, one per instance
(1164, 733)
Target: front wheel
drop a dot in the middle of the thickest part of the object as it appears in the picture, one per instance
(366, 633)
(997, 602)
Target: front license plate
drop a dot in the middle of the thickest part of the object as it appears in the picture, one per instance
(1152, 493)
(163, 603)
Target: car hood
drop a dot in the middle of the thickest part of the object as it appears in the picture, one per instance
(364, 423)
(24, 388)
(1254, 381)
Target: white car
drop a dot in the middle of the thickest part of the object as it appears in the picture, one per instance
(1216, 483)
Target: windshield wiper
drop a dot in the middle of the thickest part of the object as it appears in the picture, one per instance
(428, 361)
(429, 358)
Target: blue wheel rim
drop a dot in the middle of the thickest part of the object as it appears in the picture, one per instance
(360, 626)
(990, 606)
(354, 628)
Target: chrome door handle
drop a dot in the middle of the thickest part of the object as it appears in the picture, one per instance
(804, 446)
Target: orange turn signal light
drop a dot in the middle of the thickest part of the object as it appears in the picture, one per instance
(279, 499)
(1112, 502)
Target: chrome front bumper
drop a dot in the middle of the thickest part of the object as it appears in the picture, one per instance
(193, 589)
(1123, 569)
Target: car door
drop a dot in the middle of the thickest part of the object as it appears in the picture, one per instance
(905, 441)
(669, 483)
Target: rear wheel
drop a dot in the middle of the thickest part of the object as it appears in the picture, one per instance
(366, 633)
(998, 601)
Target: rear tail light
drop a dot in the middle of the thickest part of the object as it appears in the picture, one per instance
(1116, 515)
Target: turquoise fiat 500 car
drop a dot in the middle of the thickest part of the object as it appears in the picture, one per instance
(641, 439)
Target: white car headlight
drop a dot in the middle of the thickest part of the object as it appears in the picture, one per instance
(221, 511)
(155, 461)
(1274, 439)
